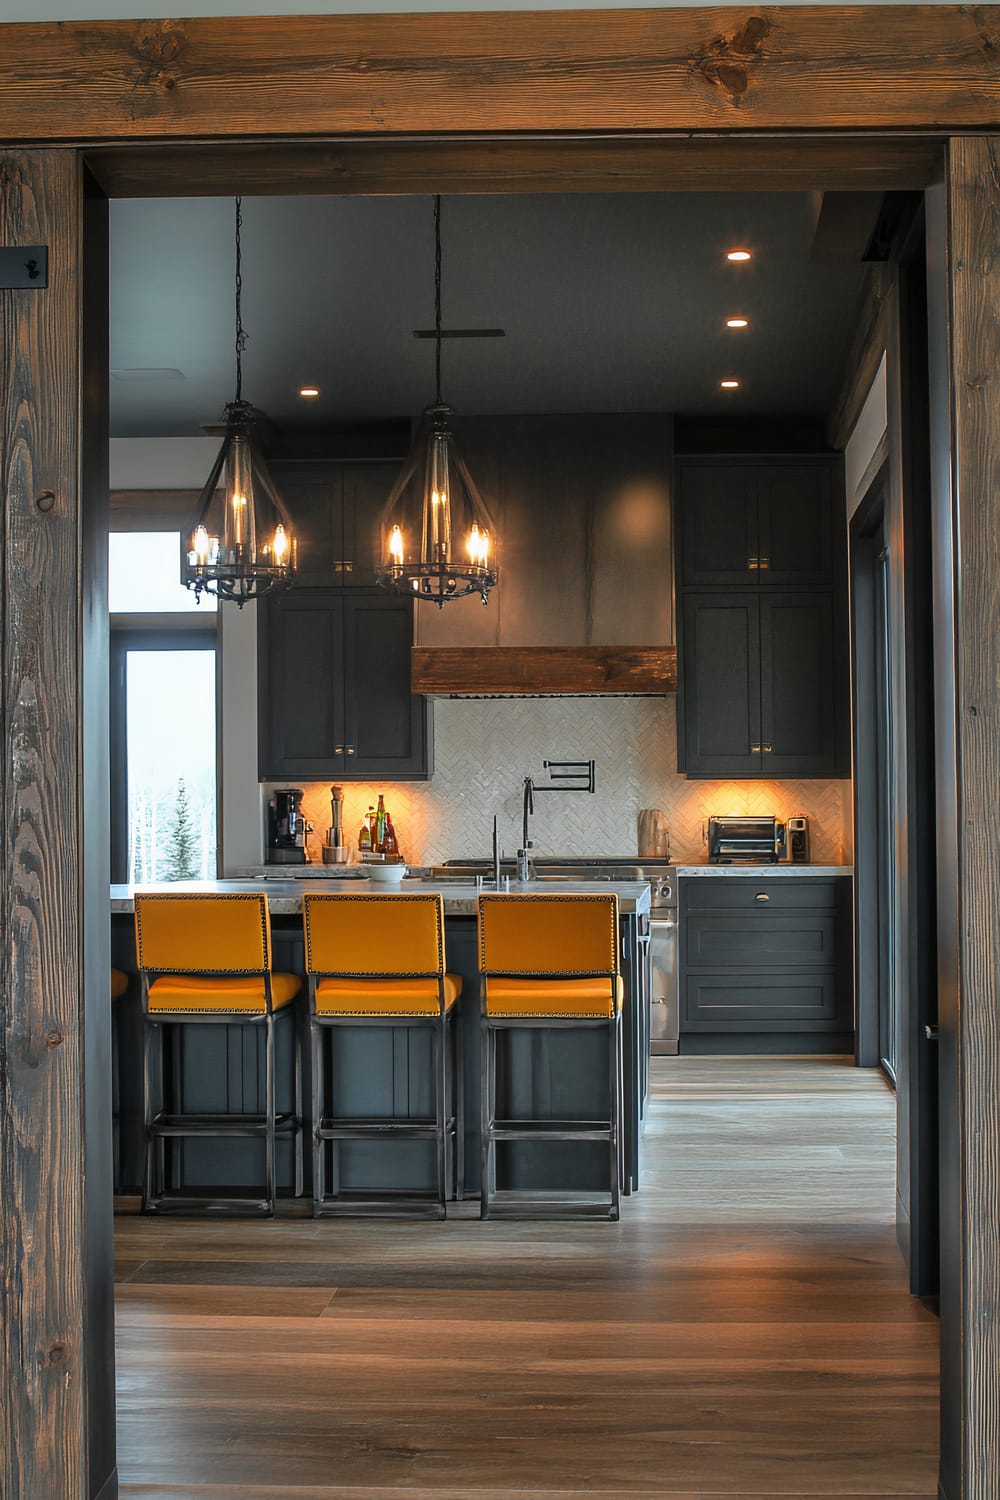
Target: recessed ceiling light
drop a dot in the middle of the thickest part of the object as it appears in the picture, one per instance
(729, 385)
(308, 392)
(737, 322)
(738, 255)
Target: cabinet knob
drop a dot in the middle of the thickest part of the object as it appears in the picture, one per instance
(350, 750)
(762, 896)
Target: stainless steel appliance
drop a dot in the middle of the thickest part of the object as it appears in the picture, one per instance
(664, 979)
(797, 834)
(286, 828)
(750, 840)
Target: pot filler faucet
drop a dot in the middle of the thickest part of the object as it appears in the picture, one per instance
(564, 776)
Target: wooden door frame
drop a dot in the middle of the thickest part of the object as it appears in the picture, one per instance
(532, 101)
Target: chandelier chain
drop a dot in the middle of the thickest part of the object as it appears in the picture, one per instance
(437, 296)
(241, 334)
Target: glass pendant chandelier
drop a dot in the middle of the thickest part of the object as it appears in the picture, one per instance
(437, 539)
(240, 543)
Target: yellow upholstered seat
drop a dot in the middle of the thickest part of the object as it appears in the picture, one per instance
(207, 958)
(550, 962)
(119, 983)
(554, 997)
(379, 960)
(237, 994)
(385, 997)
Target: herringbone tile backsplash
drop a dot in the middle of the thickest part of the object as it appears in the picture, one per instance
(483, 748)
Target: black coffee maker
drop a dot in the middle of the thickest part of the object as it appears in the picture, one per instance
(286, 828)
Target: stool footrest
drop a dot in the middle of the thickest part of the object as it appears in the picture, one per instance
(515, 1206)
(387, 1207)
(359, 1130)
(221, 1126)
(552, 1130)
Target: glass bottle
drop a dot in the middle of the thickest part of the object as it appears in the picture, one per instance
(390, 845)
(365, 838)
(378, 839)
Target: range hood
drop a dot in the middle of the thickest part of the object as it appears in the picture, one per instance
(543, 671)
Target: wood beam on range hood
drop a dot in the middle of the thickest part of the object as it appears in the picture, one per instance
(543, 669)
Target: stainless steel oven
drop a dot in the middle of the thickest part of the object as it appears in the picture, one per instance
(664, 989)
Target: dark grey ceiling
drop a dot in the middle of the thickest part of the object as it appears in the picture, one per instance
(610, 302)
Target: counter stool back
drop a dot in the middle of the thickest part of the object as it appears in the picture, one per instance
(207, 959)
(377, 961)
(549, 962)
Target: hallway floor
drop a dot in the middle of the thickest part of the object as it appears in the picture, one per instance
(744, 1331)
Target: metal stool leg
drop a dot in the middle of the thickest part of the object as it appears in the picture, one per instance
(441, 1112)
(614, 1109)
(317, 1095)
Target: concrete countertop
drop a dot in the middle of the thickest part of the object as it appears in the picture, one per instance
(762, 871)
(285, 896)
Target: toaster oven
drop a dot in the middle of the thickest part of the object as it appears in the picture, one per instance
(748, 840)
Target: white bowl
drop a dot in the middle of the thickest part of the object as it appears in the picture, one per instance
(385, 874)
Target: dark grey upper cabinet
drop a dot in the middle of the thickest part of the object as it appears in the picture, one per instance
(335, 509)
(719, 712)
(795, 525)
(763, 523)
(716, 524)
(763, 688)
(802, 723)
(334, 687)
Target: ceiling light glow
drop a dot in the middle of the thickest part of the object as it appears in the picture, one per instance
(309, 392)
(729, 385)
(738, 255)
(737, 322)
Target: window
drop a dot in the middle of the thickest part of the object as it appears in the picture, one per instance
(164, 731)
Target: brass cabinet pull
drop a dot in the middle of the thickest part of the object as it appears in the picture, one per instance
(338, 749)
(754, 749)
(752, 563)
(763, 562)
(350, 750)
(767, 749)
(762, 896)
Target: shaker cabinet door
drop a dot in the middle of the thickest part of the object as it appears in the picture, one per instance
(717, 525)
(385, 724)
(798, 678)
(300, 708)
(795, 525)
(720, 685)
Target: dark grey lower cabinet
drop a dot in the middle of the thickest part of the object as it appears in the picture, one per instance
(765, 965)
(334, 697)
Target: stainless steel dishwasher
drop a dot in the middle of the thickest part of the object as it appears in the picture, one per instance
(664, 992)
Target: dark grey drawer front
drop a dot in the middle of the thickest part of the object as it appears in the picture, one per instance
(750, 893)
(768, 1002)
(759, 941)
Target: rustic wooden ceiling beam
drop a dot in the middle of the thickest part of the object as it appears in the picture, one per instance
(849, 67)
(629, 164)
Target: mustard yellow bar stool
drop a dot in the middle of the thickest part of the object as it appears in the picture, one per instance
(549, 962)
(207, 959)
(377, 961)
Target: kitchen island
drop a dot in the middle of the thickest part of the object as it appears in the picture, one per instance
(389, 1071)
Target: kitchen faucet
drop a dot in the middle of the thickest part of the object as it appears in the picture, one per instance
(527, 807)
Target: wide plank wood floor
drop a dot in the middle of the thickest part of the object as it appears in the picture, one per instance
(745, 1331)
